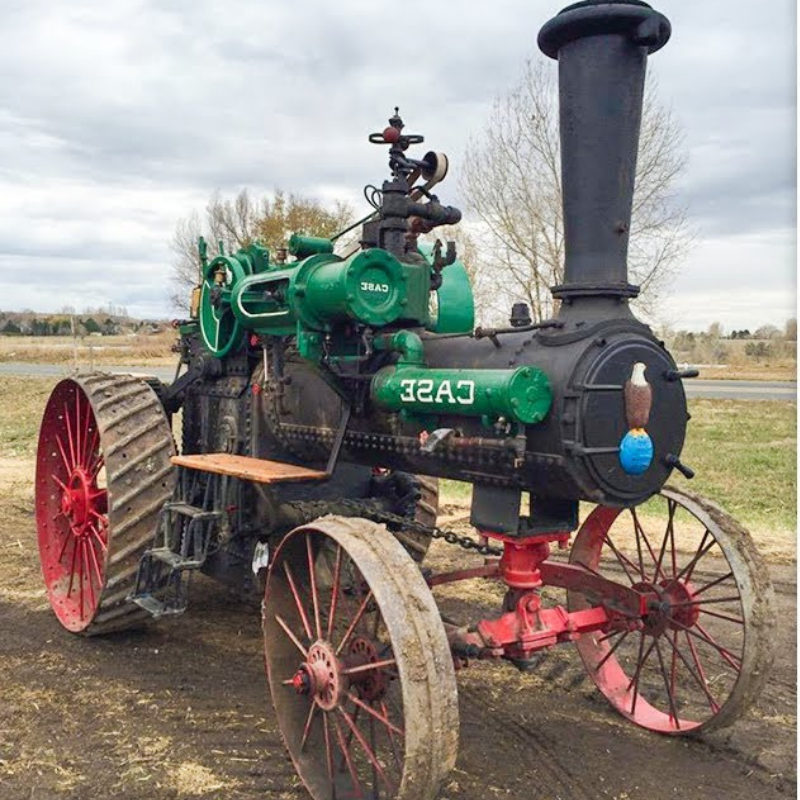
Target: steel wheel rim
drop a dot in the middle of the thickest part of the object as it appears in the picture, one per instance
(704, 652)
(357, 728)
(71, 506)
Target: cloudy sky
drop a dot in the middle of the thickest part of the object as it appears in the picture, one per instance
(119, 117)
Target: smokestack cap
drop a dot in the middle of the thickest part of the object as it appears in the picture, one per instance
(632, 18)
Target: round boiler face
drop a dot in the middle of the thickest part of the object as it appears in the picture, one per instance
(607, 413)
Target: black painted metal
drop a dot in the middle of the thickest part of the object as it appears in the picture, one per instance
(587, 352)
(602, 50)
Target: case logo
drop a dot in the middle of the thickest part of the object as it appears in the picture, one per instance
(368, 286)
(425, 390)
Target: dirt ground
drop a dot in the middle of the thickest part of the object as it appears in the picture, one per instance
(180, 710)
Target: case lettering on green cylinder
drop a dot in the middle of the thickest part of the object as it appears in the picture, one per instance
(518, 395)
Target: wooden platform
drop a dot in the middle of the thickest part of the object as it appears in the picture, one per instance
(249, 469)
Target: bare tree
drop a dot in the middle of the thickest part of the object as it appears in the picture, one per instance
(512, 181)
(238, 222)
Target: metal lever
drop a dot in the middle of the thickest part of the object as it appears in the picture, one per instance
(672, 375)
(436, 438)
(672, 460)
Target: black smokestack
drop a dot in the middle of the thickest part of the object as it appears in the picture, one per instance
(602, 50)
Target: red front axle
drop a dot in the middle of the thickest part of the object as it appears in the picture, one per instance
(525, 626)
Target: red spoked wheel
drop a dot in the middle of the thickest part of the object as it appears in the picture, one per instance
(359, 667)
(700, 655)
(103, 473)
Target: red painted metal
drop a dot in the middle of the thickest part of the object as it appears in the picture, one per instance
(528, 626)
(71, 507)
(671, 642)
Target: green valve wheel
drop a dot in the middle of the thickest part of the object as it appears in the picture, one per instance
(221, 331)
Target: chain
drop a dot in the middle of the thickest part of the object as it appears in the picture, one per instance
(406, 524)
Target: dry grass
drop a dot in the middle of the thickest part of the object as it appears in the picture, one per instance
(135, 351)
(780, 371)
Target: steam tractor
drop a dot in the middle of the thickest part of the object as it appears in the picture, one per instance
(322, 394)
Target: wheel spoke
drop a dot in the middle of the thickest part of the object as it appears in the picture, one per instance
(346, 755)
(87, 453)
(72, 566)
(737, 620)
(307, 730)
(313, 581)
(671, 505)
(68, 466)
(372, 712)
(701, 551)
(640, 531)
(366, 748)
(392, 742)
(288, 631)
(70, 440)
(688, 603)
(611, 651)
(78, 449)
(611, 635)
(703, 636)
(67, 536)
(97, 465)
(700, 679)
(98, 537)
(337, 576)
(672, 710)
(328, 751)
(89, 583)
(359, 614)
(95, 564)
(298, 602)
(638, 543)
(637, 674)
(389, 662)
(713, 583)
(623, 559)
(81, 563)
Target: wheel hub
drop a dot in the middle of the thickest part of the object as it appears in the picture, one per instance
(321, 676)
(681, 595)
(324, 675)
(76, 502)
(372, 685)
(668, 606)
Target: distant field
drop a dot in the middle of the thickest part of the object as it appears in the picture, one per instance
(786, 371)
(133, 351)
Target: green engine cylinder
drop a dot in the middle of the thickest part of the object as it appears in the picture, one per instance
(370, 287)
(519, 395)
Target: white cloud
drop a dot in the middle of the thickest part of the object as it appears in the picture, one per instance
(117, 119)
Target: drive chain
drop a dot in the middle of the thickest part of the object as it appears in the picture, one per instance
(369, 511)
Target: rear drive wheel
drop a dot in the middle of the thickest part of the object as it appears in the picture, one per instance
(103, 472)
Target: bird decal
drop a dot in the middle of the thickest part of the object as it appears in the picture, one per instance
(638, 398)
(636, 447)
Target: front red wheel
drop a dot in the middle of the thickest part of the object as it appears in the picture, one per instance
(102, 475)
(700, 654)
(359, 667)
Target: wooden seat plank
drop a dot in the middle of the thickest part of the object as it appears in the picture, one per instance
(250, 469)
